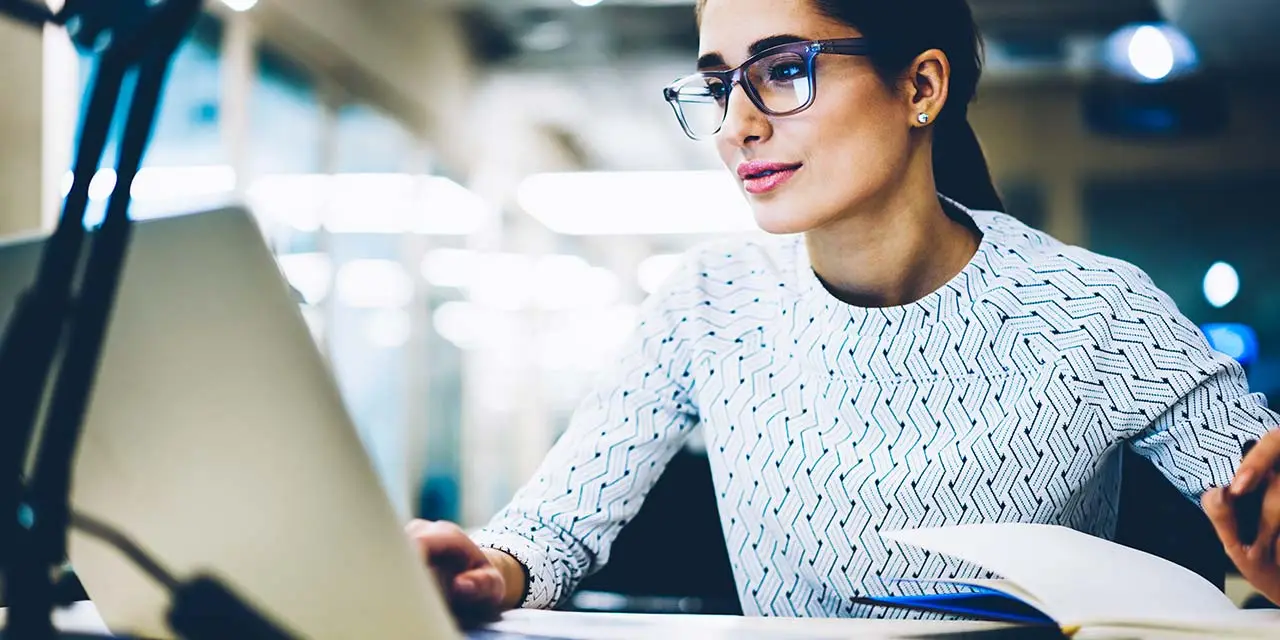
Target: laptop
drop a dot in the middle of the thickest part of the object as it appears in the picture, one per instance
(216, 440)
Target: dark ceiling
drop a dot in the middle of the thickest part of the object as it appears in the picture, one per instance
(545, 33)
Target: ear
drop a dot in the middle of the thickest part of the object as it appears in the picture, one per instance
(926, 83)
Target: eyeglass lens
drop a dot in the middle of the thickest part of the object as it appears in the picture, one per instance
(782, 83)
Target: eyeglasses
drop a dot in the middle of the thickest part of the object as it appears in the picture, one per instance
(779, 81)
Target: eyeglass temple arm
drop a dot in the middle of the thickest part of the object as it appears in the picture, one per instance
(854, 48)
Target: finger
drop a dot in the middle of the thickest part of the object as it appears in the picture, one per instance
(1258, 464)
(1269, 523)
(413, 529)
(479, 586)
(1223, 518)
(447, 545)
(420, 532)
(477, 596)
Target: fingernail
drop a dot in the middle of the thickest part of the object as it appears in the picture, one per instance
(1243, 483)
(465, 586)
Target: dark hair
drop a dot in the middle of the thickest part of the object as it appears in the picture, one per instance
(901, 31)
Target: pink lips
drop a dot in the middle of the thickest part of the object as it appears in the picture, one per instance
(759, 177)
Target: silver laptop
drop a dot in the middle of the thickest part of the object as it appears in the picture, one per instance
(216, 439)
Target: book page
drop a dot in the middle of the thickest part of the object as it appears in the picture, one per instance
(1078, 577)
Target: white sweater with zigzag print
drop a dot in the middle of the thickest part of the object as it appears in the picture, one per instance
(1002, 397)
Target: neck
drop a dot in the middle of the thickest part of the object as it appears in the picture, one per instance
(893, 252)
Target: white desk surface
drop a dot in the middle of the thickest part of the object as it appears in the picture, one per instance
(607, 626)
(622, 626)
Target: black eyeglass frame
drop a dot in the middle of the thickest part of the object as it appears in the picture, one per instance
(808, 50)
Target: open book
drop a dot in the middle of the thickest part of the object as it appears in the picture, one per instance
(1059, 576)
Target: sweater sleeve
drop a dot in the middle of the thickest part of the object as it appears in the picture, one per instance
(562, 522)
(1195, 443)
(1195, 404)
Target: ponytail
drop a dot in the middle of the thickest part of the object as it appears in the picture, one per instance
(959, 166)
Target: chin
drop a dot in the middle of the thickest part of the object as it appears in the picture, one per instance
(779, 218)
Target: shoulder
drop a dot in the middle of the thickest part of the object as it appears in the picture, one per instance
(1020, 253)
(731, 271)
(1115, 301)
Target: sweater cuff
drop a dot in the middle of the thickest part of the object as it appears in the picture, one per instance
(543, 589)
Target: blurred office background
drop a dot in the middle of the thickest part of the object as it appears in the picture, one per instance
(471, 197)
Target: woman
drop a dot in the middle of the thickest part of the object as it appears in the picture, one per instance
(889, 359)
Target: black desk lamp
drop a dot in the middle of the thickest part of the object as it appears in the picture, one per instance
(137, 37)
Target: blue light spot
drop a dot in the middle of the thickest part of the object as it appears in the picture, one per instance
(1237, 341)
(26, 516)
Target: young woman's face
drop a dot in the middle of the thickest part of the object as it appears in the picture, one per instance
(833, 158)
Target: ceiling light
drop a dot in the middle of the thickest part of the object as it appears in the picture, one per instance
(1221, 284)
(389, 203)
(103, 183)
(1150, 52)
(240, 5)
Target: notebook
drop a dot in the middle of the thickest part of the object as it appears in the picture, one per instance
(1053, 575)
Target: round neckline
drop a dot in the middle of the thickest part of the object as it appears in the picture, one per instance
(953, 297)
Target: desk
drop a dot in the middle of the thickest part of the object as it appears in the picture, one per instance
(555, 625)
(624, 626)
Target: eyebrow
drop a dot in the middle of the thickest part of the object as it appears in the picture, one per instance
(716, 60)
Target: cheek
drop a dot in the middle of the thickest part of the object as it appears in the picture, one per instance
(856, 146)
(729, 154)
(857, 119)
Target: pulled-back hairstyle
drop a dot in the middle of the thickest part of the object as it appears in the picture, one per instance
(901, 31)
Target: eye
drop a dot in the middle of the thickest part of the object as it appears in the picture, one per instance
(786, 71)
(718, 91)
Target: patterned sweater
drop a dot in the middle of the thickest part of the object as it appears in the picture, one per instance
(1004, 396)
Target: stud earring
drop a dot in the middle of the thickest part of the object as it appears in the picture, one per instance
(923, 118)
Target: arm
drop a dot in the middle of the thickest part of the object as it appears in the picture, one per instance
(1178, 403)
(1195, 441)
(560, 525)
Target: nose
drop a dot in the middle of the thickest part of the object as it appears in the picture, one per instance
(744, 124)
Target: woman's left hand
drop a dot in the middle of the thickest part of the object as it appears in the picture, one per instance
(1259, 562)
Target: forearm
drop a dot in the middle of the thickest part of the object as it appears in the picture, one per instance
(514, 575)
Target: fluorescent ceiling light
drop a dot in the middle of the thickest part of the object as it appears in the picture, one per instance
(369, 203)
(513, 281)
(637, 202)
(176, 183)
(154, 184)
